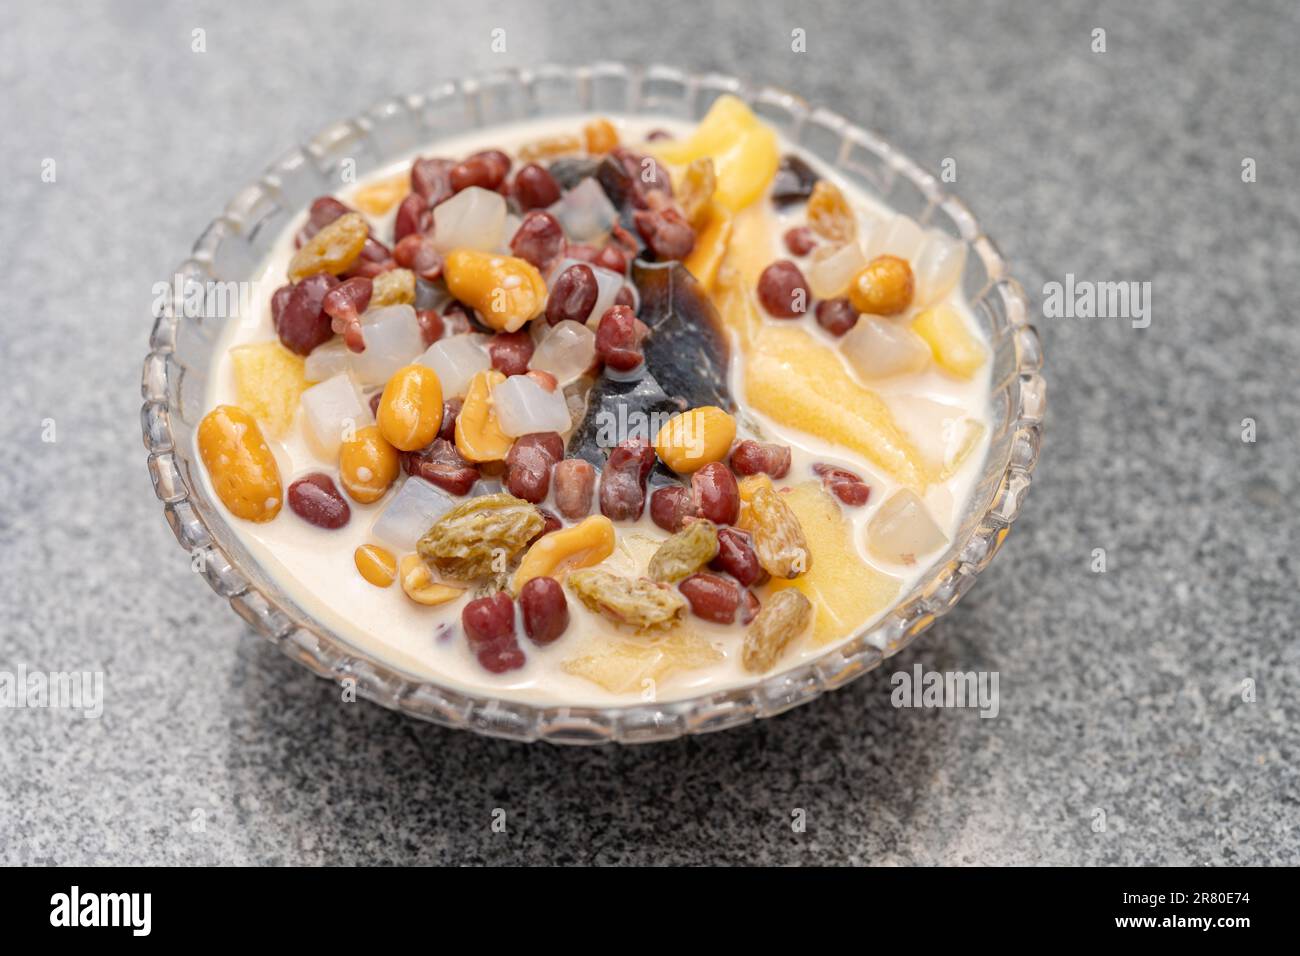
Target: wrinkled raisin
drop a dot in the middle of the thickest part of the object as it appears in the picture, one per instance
(545, 609)
(786, 615)
(685, 552)
(573, 296)
(619, 337)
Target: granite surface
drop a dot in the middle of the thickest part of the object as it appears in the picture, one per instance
(1121, 692)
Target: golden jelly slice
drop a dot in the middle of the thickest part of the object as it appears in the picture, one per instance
(269, 382)
(798, 382)
(845, 591)
(638, 665)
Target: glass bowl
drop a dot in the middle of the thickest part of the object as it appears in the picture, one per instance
(231, 248)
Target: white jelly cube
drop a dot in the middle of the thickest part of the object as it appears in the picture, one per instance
(410, 513)
(901, 530)
(524, 407)
(585, 212)
(878, 348)
(457, 359)
(332, 410)
(566, 350)
(474, 218)
(393, 339)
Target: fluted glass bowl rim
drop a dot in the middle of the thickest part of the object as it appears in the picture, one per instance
(485, 100)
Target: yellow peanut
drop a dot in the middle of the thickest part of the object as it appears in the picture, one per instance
(587, 543)
(410, 410)
(419, 585)
(478, 435)
(240, 463)
(506, 291)
(377, 565)
(367, 465)
(378, 198)
(884, 286)
(694, 438)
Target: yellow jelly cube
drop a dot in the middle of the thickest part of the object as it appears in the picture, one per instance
(638, 665)
(956, 348)
(844, 590)
(269, 381)
(798, 382)
(379, 197)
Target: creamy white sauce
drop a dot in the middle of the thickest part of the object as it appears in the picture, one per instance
(315, 566)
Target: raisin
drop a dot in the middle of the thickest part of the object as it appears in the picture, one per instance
(640, 603)
(779, 540)
(829, 213)
(786, 615)
(479, 538)
(696, 190)
(331, 250)
(685, 552)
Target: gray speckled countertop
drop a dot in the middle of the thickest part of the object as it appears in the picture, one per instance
(1120, 692)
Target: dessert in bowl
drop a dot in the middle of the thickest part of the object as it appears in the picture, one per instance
(605, 423)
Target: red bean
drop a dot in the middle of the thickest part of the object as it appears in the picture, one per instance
(487, 170)
(450, 412)
(278, 301)
(619, 337)
(431, 325)
(611, 258)
(645, 177)
(344, 306)
(622, 483)
(539, 239)
(545, 609)
(550, 522)
(375, 258)
(375, 399)
(765, 458)
(736, 556)
(582, 251)
(439, 463)
(418, 253)
(315, 500)
(413, 216)
(670, 506)
(489, 625)
(625, 297)
(800, 241)
(431, 178)
(666, 232)
(846, 485)
(749, 606)
(543, 378)
(574, 480)
(715, 494)
(535, 187)
(711, 596)
(303, 323)
(511, 352)
(836, 316)
(529, 463)
(456, 320)
(783, 291)
(573, 295)
(324, 210)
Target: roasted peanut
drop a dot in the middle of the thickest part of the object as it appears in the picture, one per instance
(377, 565)
(884, 286)
(506, 291)
(478, 436)
(410, 410)
(367, 465)
(240, 463)
(585, 544)
(694, 438)
(419, 585)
